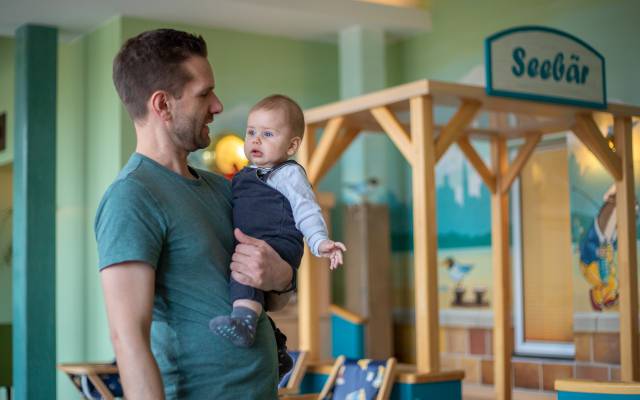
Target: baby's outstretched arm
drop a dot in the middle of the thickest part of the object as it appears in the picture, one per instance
(333, 251)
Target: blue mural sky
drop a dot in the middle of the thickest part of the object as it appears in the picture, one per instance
(463, 201)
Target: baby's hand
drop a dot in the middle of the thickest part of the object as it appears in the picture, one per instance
(333, 251)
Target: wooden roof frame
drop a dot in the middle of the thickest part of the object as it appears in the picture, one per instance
(422, 143)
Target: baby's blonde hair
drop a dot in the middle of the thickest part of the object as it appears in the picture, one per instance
(292, 112)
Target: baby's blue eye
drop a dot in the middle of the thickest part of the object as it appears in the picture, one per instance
(268, 134)
(250, 132)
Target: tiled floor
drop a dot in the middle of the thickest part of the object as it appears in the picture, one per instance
(485, 392)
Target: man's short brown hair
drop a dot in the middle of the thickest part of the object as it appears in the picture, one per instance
(153, 61)
(292, 112)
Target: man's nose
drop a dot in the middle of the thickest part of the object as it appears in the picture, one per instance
(216, 105)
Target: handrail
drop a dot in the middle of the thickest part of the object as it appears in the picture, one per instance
(347, 315)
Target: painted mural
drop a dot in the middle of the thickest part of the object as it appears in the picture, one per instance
(464, 231)
(593, 225)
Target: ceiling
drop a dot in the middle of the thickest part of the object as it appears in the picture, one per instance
(300, 19)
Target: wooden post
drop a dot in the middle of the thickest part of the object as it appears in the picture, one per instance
(308, 313)
(627, 257)
(502, 334)
(425, 246)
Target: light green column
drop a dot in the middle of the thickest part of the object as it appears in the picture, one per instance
(34, 340)
(363, 70)
(71, 268)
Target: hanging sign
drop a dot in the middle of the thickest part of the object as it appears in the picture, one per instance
(539, 63)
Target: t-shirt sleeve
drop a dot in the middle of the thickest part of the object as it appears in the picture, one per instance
(292, 182)
(129, 225)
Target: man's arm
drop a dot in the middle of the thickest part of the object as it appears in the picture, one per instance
(128, 292)
(257, 264)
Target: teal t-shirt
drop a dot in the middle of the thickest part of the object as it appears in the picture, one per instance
(183, 228)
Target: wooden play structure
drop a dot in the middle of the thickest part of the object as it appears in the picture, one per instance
(407, 114)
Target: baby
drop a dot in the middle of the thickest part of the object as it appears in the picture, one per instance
(273, 201)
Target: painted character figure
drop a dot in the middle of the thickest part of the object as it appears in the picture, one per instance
(597, 261)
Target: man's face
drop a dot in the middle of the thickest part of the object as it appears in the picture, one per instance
(196, 108)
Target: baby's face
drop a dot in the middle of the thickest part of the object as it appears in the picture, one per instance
(268, 140)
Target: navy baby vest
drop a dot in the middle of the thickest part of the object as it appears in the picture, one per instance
(264, 213)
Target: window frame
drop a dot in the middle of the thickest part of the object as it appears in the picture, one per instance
(524, 347)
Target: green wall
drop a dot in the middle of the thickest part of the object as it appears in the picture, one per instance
(6, 177)
(246, 66)
(104, 158)
(7, 68)
(95, 136)
(70, 211)
(456, 43)
(7, 73)
(455, 47)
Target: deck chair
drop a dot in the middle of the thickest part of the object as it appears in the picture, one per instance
(290, 383)
(364, 378)
(95, 381)
(358, 379)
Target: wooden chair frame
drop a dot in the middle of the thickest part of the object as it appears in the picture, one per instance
(92, 371)
(299, 369)
(385, 389)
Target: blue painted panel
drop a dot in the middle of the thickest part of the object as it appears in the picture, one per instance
(450, 390)
(596, 396)
(312, 383)
(347, 338)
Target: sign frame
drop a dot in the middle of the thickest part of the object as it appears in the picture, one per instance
(522, 95)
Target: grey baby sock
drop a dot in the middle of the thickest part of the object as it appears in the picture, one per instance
(239, 327)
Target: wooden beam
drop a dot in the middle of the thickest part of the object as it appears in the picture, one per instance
(589, 133)
(521, 160)
(342, 143)
(395, 131)
(309, 315)
(308, 312)
(502, 333)
(456, 126)
(425, 246)
(100, 386)
(627, 254)
(481, 168)
(329, 136)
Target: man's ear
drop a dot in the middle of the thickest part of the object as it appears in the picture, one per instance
(293, 145)
(160, 105)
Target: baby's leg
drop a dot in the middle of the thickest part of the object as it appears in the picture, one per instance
(239, 327)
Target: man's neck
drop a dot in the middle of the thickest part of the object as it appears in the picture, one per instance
(161, 150)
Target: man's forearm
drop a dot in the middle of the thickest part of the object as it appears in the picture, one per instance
(139, 372)
(128, 292)
(276, 301)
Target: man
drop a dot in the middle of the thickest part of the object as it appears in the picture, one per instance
(165, 240)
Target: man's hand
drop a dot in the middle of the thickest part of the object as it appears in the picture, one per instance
(257, 264)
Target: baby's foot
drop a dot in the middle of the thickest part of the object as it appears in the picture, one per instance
(239, 327)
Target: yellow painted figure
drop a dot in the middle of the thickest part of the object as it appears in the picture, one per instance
(597, 250)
